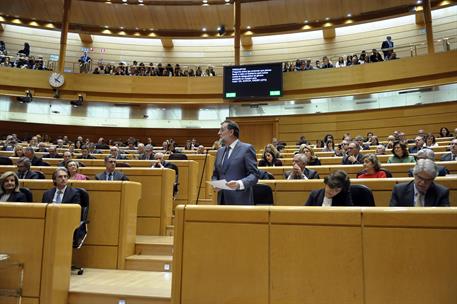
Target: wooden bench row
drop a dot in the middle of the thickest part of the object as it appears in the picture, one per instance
(397, 170)
(156, 194)
(314, 255)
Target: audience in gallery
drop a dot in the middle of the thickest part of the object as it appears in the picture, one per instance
(9, 188)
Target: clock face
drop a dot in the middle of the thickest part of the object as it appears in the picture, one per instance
(56, 80)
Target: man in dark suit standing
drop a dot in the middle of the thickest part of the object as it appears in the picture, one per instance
(299, 170)
(61, 193)
(236, 163)
(387, 47)
(453, 154)
(422, 191)
(110, 173)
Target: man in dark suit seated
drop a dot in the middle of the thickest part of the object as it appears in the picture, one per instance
(236, 163)
(110, 173)
(451, 156)
(353, 156)
(148, 153)
(36, 161)
(115, 153)
(61, 193)
(67, 157)
(427, 153)
(52, 153)
(422, 191)
(101, 145)
(419, 140)
(23, 169)
(161, 163)
(335, 193)
(299, 170)
(85, 153)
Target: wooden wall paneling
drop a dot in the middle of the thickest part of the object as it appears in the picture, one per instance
(257, 132)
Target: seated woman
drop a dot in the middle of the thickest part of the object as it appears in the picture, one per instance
(335, 193)
(9, 188)
(273, 149)
(73, 170)
(430, 141)
(309, 152)
(18, 151)
(329, 146)
(372, 168)
(269, 160)
(374, 141)
(400, 154)
(444, 132)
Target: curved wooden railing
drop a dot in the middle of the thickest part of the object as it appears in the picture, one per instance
(417, 71)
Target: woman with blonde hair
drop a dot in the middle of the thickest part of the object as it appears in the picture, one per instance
(9, 188)
(309, 152)
(18, 151)
(272, 149)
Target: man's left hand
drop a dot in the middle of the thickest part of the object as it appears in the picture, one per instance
(233, 185)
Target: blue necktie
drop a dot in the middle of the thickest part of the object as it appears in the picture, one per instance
(59, 197)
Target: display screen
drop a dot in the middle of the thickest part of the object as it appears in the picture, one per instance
(254, 81)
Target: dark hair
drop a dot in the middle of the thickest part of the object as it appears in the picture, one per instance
(338, 179)
(432, 136)
(402, 146)
(326, 137)
(54, 174)
(272, 153)
(231, 125)
(447, 132)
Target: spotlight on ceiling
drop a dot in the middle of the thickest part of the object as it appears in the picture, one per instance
(79, 102)
(28, 98)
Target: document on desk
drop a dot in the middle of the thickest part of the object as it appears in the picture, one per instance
(221, 184)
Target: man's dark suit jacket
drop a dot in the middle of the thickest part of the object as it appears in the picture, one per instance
(414, 149)
(242, 165)
(346, 161)
(71, 196)
(5, 161)
(29, 175)
(101, 147)
(316, 198)
(36, 161)
(447, 157)
(52, 156)
(442, 171)
(117, 176)
(310, 174)
(17, 197)
(178, 156)
(86, 157)
(403, 195)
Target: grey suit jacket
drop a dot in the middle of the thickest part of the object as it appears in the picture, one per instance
(117, 176)
(403, 195)
(242, 165)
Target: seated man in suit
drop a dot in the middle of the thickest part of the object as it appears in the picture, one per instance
(161, 163)
(110, 174)
(419, 140)
(299, 170)
(427, 153)
(353, 156)
(23, 169)
(115, 153)
(422, 191)
(61, 193)
(148, 153)
(67, 157)
(52, 153)
(36, 161)
(335, 193)
(451, 156)
(85, 153)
